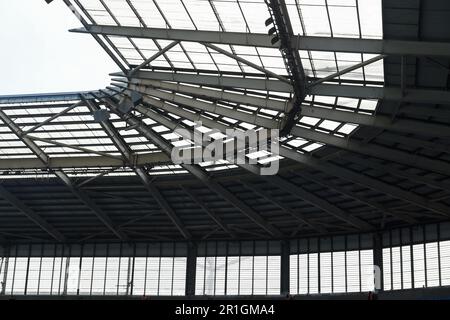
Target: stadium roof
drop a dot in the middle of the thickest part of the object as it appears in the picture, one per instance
(358, 90)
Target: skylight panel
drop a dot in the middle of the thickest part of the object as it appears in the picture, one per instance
(230, 16)
(255, 15)
(371, 18)
(203, 15)
(123, 13)
(316, 20)
(176, 15)
(344, 20)
(149, 13)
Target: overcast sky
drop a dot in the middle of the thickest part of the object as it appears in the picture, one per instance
(39, 55)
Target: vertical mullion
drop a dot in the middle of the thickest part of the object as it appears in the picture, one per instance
(345, 264)
(226, 268)
(253, 268)
(118, 270)
(359, 263)
(40, 270)
(215, 268)
(63, 247)
(173, 268)
(307, 267)
(92, 268)
(239, 269)
(53, 270)
(425, 256)
(66, 271)
(267, 267)
(391, 260)
(401, 259)
(439, 253)
(5, 272)
(159, 268)
(319, 280)
(106, 269)
(14, 271)
(79, 268)
(133, 265)
(28, 271)
(332, 264)
(145, 271)
(411, 252)
(205, 259)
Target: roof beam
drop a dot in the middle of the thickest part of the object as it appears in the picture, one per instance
(318, 202)
(82, 162)
(332, 185)
(61, 175)
(156, 194)
(428, 96)
(297, 215)
(364, 180)
(266, 103)
(374, 150)
(244, 61)
(211, 214)
(347, 144)
(388, 47)
(30, 214)
(378, 121)
(126, 154)
(199, 173)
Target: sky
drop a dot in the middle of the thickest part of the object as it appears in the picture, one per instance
(39, 55)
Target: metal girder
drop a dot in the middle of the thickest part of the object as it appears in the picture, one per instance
(244, 61)
(347, 70)
(213, 80)
(438, 146)
(30, 214)
(328, 168)
(47, 97)
(176, 125)
(378, 121)
(374, 150)
(61, 175)
(318, 202)
(401, 173)
(47, 121)
(82, 162)
(291, 57)
(266, 103)
(297, 215)
(416, 95)
(126, 153)
(347, 144)
(244, 208)
(336, 90)
(200, 174)
(209, 107)
(101, 215)
(168, 210)
(388, 47)
(95, 36)
(211, 214)
(65, 145)
(113, 134)
(364, 180)
(153, 57)
(383, 209)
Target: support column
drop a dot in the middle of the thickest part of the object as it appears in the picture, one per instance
(284, 274)
(378, 260)
(191, 268)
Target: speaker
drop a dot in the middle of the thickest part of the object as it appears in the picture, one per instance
(101, 115)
